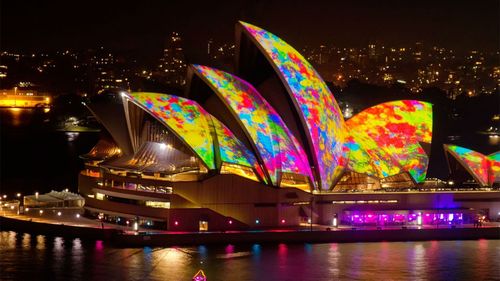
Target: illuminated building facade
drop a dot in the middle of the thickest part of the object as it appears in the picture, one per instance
(172, 67)
(230, 155)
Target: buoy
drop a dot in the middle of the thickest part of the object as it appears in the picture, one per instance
(200, 276)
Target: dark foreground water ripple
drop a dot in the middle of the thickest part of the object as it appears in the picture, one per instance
(36, 257)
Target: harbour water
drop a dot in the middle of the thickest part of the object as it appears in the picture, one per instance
(37, 257)
(34, 157)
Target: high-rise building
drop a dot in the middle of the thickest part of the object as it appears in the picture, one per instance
(106, 72)
(172, 67)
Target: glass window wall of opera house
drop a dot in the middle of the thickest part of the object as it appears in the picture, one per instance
(268, 147)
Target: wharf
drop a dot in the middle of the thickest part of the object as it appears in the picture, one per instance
(122, 237)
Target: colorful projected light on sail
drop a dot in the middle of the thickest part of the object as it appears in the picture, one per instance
(315, 103)
(278, 149)
(473, 161)
(494, 171)
(186, 118)
(384, 140)
(232, 150)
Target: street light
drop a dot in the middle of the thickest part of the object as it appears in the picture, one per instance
(18, 195)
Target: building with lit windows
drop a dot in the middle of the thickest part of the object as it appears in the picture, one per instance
(172, 67)
(265, 147)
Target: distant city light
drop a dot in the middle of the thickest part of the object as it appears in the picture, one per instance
(59, 213)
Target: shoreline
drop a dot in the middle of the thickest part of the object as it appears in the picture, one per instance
(118, 238)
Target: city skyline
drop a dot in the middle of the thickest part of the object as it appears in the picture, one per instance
(122, 26)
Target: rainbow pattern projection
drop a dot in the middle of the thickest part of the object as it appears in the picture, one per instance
(494, 171)
(313, 100)
(384, 140)
(279, 150)
(473, 161)
(186, 118)
(232, 150)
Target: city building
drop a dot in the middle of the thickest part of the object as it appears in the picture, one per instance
(267, 147)
(106, 72)
(21, 98)
(172, 67)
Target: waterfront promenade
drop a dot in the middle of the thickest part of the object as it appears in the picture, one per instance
(68, 223)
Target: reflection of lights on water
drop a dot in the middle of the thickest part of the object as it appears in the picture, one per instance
(16, 116)
(229, 249)
(77, 244)
(98, 245)
(58, 243)
(71, 136)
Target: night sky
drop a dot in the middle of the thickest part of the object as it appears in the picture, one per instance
(120, 25)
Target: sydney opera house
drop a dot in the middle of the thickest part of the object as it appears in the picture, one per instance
(268, 147)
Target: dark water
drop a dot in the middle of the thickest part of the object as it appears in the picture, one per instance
(35, 157)
(29, 257)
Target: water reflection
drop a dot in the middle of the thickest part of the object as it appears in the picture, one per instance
(25, 256)
(419, 263)
(334, 257)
